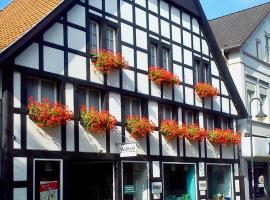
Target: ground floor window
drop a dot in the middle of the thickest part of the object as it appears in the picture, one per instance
(91, 180)
(261, 179)
(135, 181)
(179, 181)
(219, 181)
(47, 180)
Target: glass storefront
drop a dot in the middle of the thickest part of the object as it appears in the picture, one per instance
(179, 181)
(219, 182)
(135, 181)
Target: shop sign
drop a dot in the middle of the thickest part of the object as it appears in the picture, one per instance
(48, 190)
(129, 189)
(202, 185)
(156, 187)
(128, 150)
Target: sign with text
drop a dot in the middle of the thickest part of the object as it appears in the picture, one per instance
(202, 185)
(128, 150)
(156, 187)
(129, 189)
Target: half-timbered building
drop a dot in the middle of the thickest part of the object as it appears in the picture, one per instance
(45, 53)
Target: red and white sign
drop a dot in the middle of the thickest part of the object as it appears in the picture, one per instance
(49, 190)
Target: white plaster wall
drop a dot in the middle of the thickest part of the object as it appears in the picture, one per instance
(111, 6)
(196, 43)
(186, 20)
(141, 39)
(69, 96)
(165, 29)
(116, 140)
(19, 169)
(195, 26)
(55, 34)
(187, 39)
(42, 139)
(142, 83)
(113, 79)
(115, 105)
(53, 60)
(96, 4)
(29, 57)
(225, 105)
(192, 148)
(140, 18)
(212, 149)
(154, 143)
(176, 34)
(76, 66)
(126, 11)
(155, 90)
(76, 15)
(76, 39)
(167, 92)
(177, 53)
(153, 6)
(169, 148)
(128, 54)
(156, 169)
(153, 23)
(19, 193)
(126, 32)
(17, 131)
(141, 145)
(189, 95)
(188, 60)
(142, 61)
(128, 80)
(95, 76)
(164, 9)
(227, 151)
(153, 112)
(17, 89)
(175, 15)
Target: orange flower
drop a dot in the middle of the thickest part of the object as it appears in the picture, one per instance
(97, 122)
(46, 114)
(194, 132)
(139, 127)
(224, 136)
(171, 129)
(107, 61)
(161, 76)
(205, 90)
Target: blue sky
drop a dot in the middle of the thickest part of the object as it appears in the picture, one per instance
(217, 8)
(3, 3)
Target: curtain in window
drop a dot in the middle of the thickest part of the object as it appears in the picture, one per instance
(93, 36)
(110, 39)
(47, 91)
(153, 55)
(136, 107)
(81, 95)
(32, 88)
(94, 99)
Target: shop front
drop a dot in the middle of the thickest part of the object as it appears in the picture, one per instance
(219, 182)
(179, 181)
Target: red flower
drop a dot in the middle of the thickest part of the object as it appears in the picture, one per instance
(139, 127)
(46, 114)
(194, 132)
(97, 122)
(171, 129)
(107, 61)
(161, 76)
(224, 136)
(205, 90)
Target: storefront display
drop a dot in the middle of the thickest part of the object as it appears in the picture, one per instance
(179, 181)
(135, 181)
(219, 182)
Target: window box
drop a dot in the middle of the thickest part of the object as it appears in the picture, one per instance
(170, 129)
(161, 76)
(106, 61)
(49, 115)
(205, 90)
(97, 121)
(193, 132)
(139, 127)
(223, 136)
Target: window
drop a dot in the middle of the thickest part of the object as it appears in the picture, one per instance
(165, 112)
(209, 122)
(90, 98)
(165, 59)
(132, 107)
(110, 39)
(189, 117)
(267, 37)
(258, 48)
(202, 74)
(224, 123)
(41, 89)
(94, 35)
(153, 55)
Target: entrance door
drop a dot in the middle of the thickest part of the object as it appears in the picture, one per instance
(91, 181)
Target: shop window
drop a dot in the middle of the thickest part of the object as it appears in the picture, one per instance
(110, 39)
(153, 55)
(183, 189)
(90, 98)
(94, 35)
(47, 177)
(165, 112)
(132, 107)
(165, 59)
(135, 181)
(219, 182)
(209, 122)
(189, 117)
(202, 74)
(41, 89)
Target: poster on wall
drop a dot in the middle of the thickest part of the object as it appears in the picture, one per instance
(48, 190)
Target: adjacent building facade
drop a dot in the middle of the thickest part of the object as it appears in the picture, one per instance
(51, 59)
(244, 38)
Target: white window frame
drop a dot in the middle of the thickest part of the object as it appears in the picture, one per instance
(155, 54)
(61, 174)
(97, 25)
(130, 99)
(39, 87)
(167, 67)
(87, 97)
(114, 37)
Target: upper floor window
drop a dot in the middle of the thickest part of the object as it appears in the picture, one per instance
(153, 55)
(258, 49)
(89, 98)
(165, 59)
(94, 35)
(267, 42)
(224, 123)
(165, 112)
(189, 117)
(132, 106)
(41, 89)
(202, 72)
(110, 39)
(209, 122)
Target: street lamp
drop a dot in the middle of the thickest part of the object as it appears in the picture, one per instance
(260, 116)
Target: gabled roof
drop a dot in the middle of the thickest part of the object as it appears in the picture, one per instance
(20, 16)
(46, 16)
(233, 30)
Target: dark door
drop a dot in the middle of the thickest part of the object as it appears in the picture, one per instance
(91, 181)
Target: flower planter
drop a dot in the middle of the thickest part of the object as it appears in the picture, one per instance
(48, 115)
(170, 130)
(205, 90)
(106, 61)
(223, 136)
(97, 121)
(161, 76)
(139, 127)
(193, 132)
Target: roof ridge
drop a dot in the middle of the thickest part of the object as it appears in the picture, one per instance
(239, 11)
